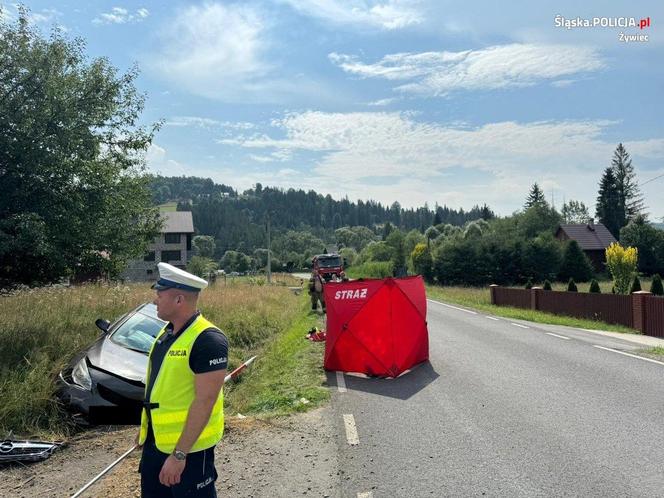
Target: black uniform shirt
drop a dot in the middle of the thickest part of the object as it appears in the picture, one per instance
(208, 353)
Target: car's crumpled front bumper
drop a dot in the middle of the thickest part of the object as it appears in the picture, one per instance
(112, 400)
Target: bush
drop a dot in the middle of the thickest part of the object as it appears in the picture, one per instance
(372, 269)
(529, 283)
(547, 285)
(422, 262)
(636, 285)
(571, 286)
(656, 286)
(621, 262)
(594, 287)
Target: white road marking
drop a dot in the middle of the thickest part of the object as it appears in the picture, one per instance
(558, 336)
(519, 325)
(492, 318)
(628, 354)
(341, 382)
(453, 307)
(367, 494)
(351, 431)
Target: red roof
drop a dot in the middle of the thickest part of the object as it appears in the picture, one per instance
(591, 237)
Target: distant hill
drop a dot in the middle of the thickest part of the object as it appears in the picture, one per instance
(237, 220)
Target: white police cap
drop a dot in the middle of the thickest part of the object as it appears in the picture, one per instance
(171, 277)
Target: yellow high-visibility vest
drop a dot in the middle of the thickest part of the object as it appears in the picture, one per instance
(174, 391)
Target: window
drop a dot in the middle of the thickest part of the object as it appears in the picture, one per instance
(149, 256)
(172, 238)
(170, 256)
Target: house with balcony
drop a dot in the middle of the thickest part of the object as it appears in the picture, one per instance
(173, 246)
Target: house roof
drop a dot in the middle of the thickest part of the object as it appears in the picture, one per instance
(591, 237)
(177, 222)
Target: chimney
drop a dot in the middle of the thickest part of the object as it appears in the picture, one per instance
(591, 224)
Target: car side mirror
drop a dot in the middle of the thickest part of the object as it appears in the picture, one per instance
(102, 324)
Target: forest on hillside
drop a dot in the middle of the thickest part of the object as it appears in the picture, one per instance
(237, 221)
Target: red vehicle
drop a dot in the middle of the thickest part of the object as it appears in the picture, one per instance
(327, 265)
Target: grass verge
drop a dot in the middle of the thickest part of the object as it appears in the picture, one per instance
(480, 299)
(288, 377)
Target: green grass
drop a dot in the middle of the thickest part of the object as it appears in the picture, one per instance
(288, 377)
(41, 329)
(480, 299)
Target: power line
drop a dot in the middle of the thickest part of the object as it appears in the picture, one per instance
(652, 179)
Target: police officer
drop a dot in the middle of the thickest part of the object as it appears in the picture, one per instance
(183, 415)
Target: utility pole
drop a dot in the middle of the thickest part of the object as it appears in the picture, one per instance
(269, 259)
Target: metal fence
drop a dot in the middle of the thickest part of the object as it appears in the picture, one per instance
(641, 310)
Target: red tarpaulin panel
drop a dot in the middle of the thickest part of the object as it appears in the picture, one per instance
(376, 327)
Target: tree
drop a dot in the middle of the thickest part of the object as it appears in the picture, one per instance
(356, 237)
(376, 251)
(575, 263)
(396, 241)
(656, 286)
(574, 212)
(594, 287)
(201, 266)
(387, 229)
(422, 262)
(538, 219)
(636, 285)
(649, 242)
(204, 245)
(547, 285)
(430, 234)
(349, 255)
(622, 263)
(630, 200)
(541, 258)
(535, 197)
(71, 160)
(529, 283)
(607, 209)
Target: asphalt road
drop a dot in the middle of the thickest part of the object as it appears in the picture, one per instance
(503, 410)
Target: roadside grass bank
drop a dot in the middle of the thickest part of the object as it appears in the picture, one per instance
(41, 329)
(289, 377)
(479, 298)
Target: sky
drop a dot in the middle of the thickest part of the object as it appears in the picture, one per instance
(455, 103)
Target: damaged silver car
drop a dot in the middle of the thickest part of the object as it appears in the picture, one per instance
(105, 383)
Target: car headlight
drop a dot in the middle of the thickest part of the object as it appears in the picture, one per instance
(81, 375)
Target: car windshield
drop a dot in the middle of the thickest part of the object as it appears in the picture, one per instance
(329, 262)
(138, 332)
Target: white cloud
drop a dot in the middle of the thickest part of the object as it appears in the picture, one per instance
(209, 123)
(390, 156)
(120, 15)
(9, 13)
(381, 102)
(213, 50)
(503, 66)
(192, 121)
(390, 14)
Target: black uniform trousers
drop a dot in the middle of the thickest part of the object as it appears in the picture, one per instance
(197, 479)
